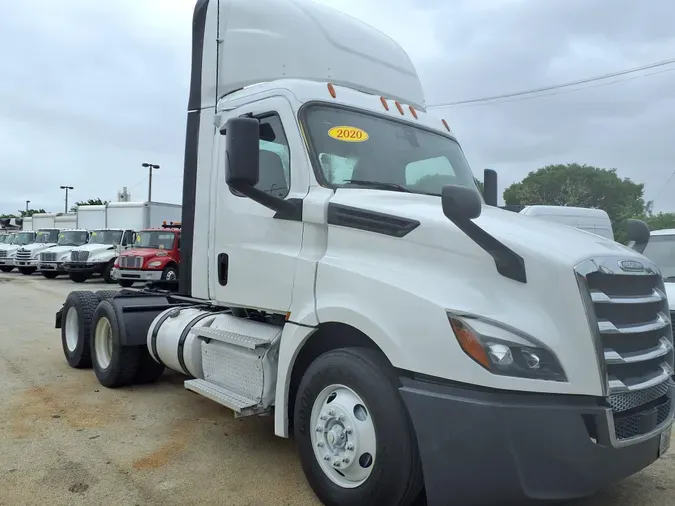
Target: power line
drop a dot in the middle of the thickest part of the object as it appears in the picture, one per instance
(664, 186)
(558, 86)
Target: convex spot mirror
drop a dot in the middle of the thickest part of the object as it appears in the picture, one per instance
(637, 233)
(460, 203)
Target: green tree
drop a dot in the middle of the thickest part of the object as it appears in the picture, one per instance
(581, 186)
(659, 221)
(481, 186)
(31, 212)
(90, 202)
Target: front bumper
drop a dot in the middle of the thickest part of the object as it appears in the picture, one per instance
(51, 266)
(483, 447)
(84, 267)
(6, 262)
(26, 263)
(137, 275)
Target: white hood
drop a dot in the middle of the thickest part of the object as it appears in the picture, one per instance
(38, 246)
(99, 252)
(62, 252)
(527, 236)
(11, 249)
(95, 248)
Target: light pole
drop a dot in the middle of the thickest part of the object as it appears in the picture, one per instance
(27, 202)
(66, 188)
(149, 166)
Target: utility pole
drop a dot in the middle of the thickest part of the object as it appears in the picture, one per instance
(66, 188)
(149, 166)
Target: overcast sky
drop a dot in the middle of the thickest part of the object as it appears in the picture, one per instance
(91, 89)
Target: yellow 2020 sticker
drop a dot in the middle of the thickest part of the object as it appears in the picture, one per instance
(348, 134)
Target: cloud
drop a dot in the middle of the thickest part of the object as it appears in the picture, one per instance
(90, 90)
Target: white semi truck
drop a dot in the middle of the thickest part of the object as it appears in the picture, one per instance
(114, 234)
(8, 251)
(52, 260)
(408, 335)
(27, 258)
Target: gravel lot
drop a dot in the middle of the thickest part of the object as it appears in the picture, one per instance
(65, 440)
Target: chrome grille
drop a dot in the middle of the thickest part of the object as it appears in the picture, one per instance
(3, 253)
(131, 262)
(79, 256)
(48, 257)
(23, 255)
(628, 312)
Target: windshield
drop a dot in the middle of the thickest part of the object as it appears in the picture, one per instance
(23, 238)
(357, 149)
(154, 239)
(47, 236)
(106, 237)
(72, 238)
(10, 239)
(661, 251)
(3, 239)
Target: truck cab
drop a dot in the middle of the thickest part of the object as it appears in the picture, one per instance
(154, 256)
(341, 271)
(98, 255)
(27, 257)
(52, 260)
(8, 250)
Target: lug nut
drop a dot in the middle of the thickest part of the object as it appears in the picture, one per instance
(341, 418)
(348, 430)
(324, 416)
(320, 444)
(350, 446)
(345, 460)
(336, 463)
(331, 412)
(319, 428)
(326, 457)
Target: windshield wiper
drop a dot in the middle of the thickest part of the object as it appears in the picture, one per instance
(379, 184)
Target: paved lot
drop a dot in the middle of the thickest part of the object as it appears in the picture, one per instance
(65, 440)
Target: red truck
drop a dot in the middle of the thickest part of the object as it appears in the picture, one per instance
(155, 256)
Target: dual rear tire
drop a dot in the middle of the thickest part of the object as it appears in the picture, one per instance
(90, 336)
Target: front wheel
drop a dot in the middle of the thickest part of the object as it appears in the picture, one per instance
(108, 272)
(50, 275)
(125, 283)
(170, 273)
(6, 268)
(27, 271)
(356, 442)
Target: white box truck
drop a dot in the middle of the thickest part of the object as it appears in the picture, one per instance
(44, 220)
(407, 334)
(115, 235)
(8, 250)
(27, 223)
(66, 221)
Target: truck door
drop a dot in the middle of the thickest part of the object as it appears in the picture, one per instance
(253, 255)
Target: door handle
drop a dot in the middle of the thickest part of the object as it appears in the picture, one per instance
(223, 265)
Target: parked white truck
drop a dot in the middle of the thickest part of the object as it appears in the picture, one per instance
(52, 260)
(8, 250)
(116, 234)
(661, 251)
(27, 257)
(409, 336)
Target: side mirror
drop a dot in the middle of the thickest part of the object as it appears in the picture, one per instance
(243, 152)
(490, 187)
(637, 233)
(460, 204)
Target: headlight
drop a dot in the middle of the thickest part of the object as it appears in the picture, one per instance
(505, 351)
(154, 264)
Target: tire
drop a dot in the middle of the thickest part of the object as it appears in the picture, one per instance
(7, 268)
(125, 283)
(396, 475)
(114, 365)
(149, 371)
(106, 294)
(27, 271)
(50, 275)
(76, 335)
(170, 273)
(107, 272)
(78, 277)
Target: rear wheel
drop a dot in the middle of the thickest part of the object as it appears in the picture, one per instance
(6, 268)
(27, 271)
(114, 365)
(356, 442)
(108, 272)
(77, 314)
(78, 277)
(125, 283)
(50, 275)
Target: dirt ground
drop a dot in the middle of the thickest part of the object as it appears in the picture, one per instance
(66, 440)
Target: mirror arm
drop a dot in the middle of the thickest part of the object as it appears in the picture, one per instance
(286, 209)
